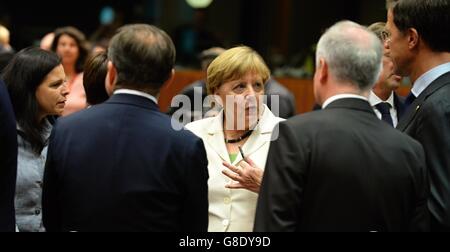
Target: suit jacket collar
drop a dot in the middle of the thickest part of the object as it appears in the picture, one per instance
(415, 107)
(352, 103)
(257, 139)
(133, 100)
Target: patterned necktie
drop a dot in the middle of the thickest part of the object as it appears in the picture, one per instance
(385, 110)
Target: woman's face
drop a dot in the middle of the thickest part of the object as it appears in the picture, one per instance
(67, 49)
(241, 100)
(51, 93)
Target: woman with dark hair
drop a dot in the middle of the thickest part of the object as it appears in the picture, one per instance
(71, 46)
(36, 84)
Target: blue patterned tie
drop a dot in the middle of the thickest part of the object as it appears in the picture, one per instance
(385, 110)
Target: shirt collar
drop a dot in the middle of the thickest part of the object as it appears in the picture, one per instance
(341, 96)
(138, 93)
(375, 100)
(427, 78)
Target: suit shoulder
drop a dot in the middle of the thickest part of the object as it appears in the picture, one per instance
(200, 126)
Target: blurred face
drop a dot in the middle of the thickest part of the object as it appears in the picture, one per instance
(388, 80)
(397, 46)
(67, 49)
(241, 100)
(51, 93)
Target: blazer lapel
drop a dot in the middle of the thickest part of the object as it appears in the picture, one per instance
(215, 138)
(415, 107)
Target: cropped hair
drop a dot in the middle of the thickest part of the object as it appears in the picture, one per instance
(431, 19)
(353, 54)
(94, 77)
(143, 55)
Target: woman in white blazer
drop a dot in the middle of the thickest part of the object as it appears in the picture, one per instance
(236, 78)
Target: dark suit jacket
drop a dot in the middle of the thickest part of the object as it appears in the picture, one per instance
(119, 166)
(399, 103)
(8, 161)
(428, 121)
(342, 169)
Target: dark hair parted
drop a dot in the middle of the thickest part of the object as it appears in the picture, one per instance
(431, 19)
(22, 76)
(81, 41)
(143, 55)
(94, 77)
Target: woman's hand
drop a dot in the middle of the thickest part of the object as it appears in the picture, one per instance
(246, 176)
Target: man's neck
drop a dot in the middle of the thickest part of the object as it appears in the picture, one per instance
(427, 61)
(382, 92)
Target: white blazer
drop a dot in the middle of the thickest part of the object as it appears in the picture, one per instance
(232, 210)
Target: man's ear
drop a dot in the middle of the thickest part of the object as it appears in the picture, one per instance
(169, 81)
(111, 78)
(413, 38)
(322, 71)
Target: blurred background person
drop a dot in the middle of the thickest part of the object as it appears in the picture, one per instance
(4, 40)
(388, 106)
(94, 78)
(71, 45)
(8, 161)
(47, 41)
(236, 78)
(195, 90)
(36, 83)
(6, 51)
(284, 104)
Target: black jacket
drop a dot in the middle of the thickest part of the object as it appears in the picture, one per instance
(342, 169)
(428, 121)
(8, 161)
(119, 166)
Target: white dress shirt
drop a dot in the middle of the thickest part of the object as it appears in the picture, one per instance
(375, 100)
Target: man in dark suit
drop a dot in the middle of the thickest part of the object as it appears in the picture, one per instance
(120, 166)
(342, 169)
(388, 106)
(419, 45)
(8, 161)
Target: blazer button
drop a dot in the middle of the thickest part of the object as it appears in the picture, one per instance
(225, 222)
(37, 211)
(227, 200)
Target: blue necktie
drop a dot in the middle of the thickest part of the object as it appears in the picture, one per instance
(385, 110)
(409, 99)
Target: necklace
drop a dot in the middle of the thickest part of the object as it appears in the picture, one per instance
(237, 140)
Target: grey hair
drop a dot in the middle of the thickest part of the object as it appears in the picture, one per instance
(353, 54)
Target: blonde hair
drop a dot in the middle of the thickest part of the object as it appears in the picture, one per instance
(4, 35)
(378, 28)
(233, 64)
